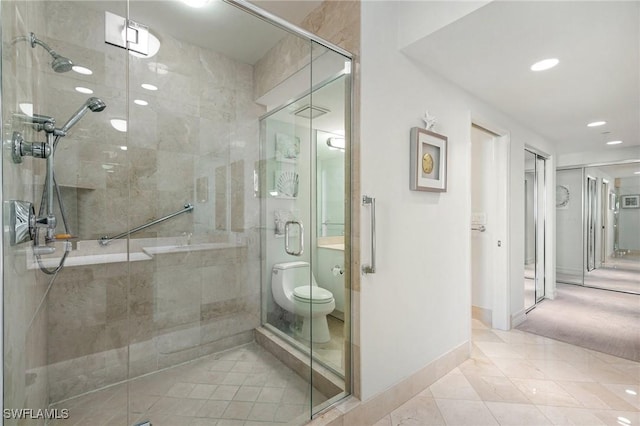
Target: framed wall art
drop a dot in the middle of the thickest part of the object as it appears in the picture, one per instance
(630, 201)
(428, 161)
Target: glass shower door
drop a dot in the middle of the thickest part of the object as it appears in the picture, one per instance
(304, 151)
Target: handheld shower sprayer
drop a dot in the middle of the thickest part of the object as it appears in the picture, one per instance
(59, 63)
(46, 218)
(94, 104)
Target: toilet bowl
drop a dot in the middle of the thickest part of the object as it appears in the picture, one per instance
(293, 292)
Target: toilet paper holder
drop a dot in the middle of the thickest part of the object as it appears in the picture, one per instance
(337, 270)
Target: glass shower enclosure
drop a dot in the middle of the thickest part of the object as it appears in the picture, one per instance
(142, 143)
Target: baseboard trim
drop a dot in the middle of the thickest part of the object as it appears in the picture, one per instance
(518, 318)
(483, 315)
(352, 411)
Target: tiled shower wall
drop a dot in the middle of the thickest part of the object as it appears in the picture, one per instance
(201, 126)
(202, 123)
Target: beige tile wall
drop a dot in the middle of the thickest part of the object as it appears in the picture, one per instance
(200, 120)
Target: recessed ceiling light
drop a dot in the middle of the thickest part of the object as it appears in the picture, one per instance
(82, 70)
(614, 142)
(148, 86)
(119, 124)
(628, 390)
(140, 102)
(545, 64)
(596, 123)
(124, 148)
(85, 90)
(196, 3)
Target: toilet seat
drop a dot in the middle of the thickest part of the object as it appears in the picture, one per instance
(312, 294)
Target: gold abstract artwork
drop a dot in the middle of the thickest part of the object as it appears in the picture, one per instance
(427, 163)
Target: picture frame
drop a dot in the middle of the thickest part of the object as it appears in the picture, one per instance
(428, 158)
(287, 147)
(630, 201)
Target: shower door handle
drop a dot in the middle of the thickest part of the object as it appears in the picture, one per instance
(371, 269)
(287, 226)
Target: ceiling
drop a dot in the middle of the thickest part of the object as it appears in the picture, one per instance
(293, 11)
(489, 52)
(620, 170)
(218, 25)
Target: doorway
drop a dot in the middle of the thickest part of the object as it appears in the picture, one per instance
(489, 226)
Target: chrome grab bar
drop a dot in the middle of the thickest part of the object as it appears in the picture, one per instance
(300, 240)
(371, 269)
(480, 228)
(105, 240)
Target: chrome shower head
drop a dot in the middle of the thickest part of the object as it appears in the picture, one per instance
(59, 63)
(93, 104)
(96, 104)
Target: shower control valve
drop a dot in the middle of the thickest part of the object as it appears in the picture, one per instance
(46, 222)
(21, 148)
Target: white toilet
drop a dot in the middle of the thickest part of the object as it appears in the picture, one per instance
(292, 292)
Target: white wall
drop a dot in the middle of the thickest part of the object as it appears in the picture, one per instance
(416, 307)
(415, 26)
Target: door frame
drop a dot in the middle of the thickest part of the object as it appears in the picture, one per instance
(500, 253)
(604, 220)
(540, 205)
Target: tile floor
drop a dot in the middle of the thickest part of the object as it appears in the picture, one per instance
(332, 352)
(516, 378)
(244, 386)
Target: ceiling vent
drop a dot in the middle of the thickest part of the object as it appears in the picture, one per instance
(309, 111)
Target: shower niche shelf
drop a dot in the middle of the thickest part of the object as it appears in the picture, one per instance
(89, 252)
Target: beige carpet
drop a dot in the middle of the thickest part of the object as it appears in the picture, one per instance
(605, 321)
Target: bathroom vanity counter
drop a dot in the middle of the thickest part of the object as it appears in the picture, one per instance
(331, 243)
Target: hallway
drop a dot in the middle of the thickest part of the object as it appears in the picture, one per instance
(517, 378)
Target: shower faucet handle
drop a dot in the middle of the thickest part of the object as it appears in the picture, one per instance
(21, 148)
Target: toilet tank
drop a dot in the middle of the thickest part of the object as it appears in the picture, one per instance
(287, 276)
